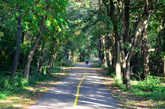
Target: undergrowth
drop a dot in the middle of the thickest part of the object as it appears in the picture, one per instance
(149, 93)
(16, 84)
(13, 85)
(149, 89)
(96, 64)
(69, 63)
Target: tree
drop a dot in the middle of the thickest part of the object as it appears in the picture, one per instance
(15, 62)
(43, 16)
(140, 25)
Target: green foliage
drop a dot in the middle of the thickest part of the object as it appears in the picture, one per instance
(35, 77)
(9, 82)
(5, 82)
(117, 82)
(17, 84)
(150, 83)
(4, 94)
(96, 64)
(150, 88)
(70, 63)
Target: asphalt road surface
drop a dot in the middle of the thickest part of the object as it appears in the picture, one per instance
(92, 93)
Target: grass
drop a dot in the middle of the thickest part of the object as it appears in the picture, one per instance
(16, 96)
(96, 64)
(149, 93)
(70, 63)
(137, 97)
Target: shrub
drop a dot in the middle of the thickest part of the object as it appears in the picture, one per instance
(69, 63)
(16, 81)
(150, 88)
(96, 64)
(5, 82)
(117, 82)
(150, 83)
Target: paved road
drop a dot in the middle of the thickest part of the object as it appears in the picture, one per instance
(92, 93)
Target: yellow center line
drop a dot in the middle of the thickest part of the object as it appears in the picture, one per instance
(75, 102)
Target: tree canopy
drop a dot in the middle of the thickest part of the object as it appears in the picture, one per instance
(127, 36)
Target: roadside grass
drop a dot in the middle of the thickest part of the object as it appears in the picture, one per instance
(70, 63)
(149, 93)
(20, 95)
(96, 64)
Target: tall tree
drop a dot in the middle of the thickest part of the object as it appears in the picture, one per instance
(15, 62)
(159, 49)
(145, 43)
(126, 36)
(41, 58)
(104, 52)
(53, 46)
(33, 49)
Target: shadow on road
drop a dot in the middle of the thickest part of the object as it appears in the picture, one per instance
(92, 92)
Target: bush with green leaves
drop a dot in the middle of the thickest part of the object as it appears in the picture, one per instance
(16, 81)
(70, 63)
(150, 83)
(96, 64)
(150, 88)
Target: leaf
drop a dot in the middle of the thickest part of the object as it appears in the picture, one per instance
(48, 22)
(55, 21)
(61, 19)
(34, 17)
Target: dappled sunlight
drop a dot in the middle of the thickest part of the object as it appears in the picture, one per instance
(86, 68)
(92, 92)
(29, 95)
(94, 104)
(6, 101)
(59, 73)
(15, 102)
(18, 105)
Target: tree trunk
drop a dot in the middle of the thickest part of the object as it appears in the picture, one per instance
(24, 56)
(145, 43)
(88, 54)
(110, 52)
(80, 56)
(123, 63)
(164, 70)
(65, 55)
(128, 86)
(100, 52)
(104, 58)
(125, 39)
(33, 49)
(159, 50)
(51, 56)
(110, 58)
(113, 60)
(135, 65)
(15, 62)
(145, 53)
(69, 57)
(41, 58)
(118, 64)
(72, 55)
(126, 21)
(49, 63)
